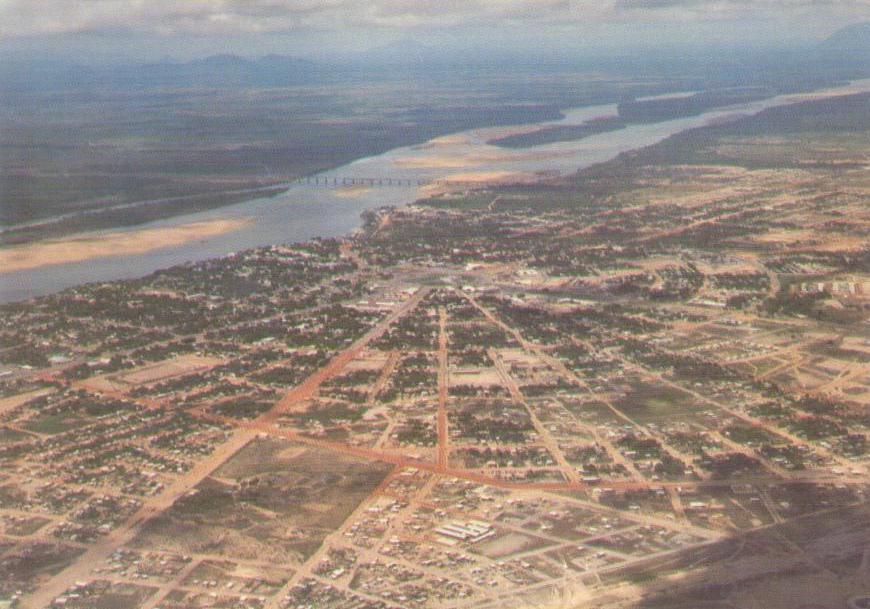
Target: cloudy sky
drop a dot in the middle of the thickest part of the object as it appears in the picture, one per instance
(190, 28)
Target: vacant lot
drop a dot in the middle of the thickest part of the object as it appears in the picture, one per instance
(274, 498)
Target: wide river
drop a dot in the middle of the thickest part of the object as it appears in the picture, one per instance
(307, 211)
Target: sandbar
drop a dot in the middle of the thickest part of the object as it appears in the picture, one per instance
(478, 158)
(86, 247)
(352, 192)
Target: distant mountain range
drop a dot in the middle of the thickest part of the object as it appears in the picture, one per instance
(845, 51)
(855, 37)
(225, 69)
(217, 70)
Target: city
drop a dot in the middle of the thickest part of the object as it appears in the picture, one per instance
(648, 380)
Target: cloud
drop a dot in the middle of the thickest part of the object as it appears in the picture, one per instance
(210, 16)
(658, 4)
(228, 17)
(745, 7)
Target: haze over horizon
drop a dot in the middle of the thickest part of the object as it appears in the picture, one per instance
(123, 31)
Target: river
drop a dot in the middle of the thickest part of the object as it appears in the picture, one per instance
(307, 211)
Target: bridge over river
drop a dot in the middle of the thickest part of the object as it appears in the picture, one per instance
(389, 181)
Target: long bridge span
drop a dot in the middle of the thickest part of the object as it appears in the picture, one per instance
(391, 181)
(357, 181)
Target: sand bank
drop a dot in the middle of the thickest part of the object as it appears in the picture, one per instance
(86, 247)
(352, 192)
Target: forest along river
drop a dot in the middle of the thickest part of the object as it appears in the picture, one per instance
(306, 211)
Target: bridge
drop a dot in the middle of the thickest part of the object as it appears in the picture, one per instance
(356, 181)
(385, 181)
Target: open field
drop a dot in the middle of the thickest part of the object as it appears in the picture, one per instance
(272, 498)
(152, 373)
